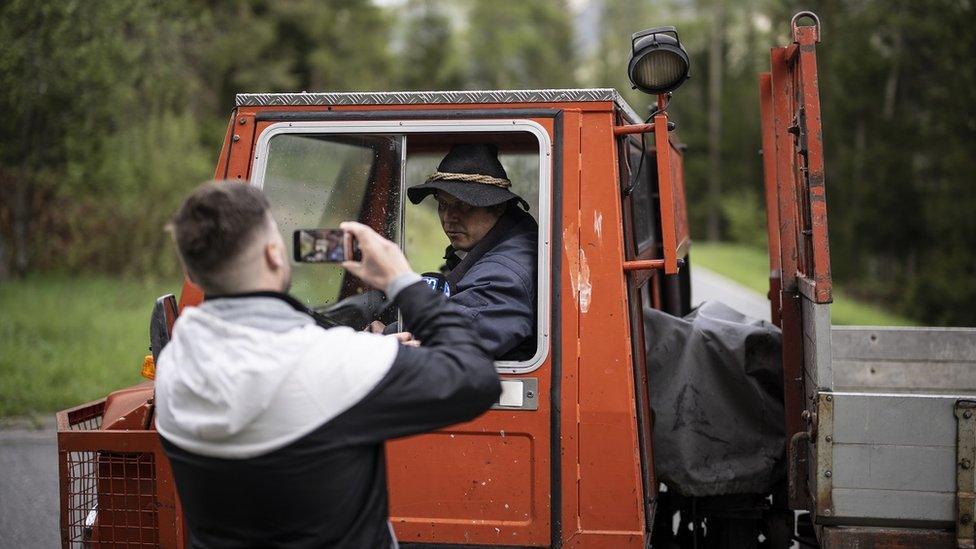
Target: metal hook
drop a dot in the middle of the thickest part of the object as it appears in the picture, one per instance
(799, 15)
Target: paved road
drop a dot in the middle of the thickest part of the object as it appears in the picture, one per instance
(710, 286)
(29, 489)
(29, 466)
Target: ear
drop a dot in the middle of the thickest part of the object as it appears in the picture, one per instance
(274, 255)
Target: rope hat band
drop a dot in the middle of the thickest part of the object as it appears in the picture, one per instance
(470, 178)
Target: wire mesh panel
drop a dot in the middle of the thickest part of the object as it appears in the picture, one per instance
(110, 494)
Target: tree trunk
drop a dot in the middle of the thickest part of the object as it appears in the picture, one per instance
(4, 261)
(715, 66)
(20, 208)
(891, 85)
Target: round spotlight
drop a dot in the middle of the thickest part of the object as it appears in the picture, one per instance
(658, 63)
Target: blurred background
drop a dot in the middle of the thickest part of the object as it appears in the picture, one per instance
(112, 110)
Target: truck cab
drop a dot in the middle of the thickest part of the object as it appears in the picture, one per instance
(563, 455)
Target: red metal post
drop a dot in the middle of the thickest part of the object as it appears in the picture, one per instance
(817, 264)
(772, 201)
(791, 316)
(662, 147)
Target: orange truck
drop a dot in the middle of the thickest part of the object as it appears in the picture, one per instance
(566, 458)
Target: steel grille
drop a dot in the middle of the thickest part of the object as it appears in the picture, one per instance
(108, 498)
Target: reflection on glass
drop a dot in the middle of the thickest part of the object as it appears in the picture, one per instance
(318, 181)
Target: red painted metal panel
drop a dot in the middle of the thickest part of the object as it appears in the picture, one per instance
(610, 486)
(816, 264)
(791, 320)
(770, 193)
(569, 270)
(666, 191)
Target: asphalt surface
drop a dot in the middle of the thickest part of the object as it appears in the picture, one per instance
(709, 286)
(29, 489)
(29, 507)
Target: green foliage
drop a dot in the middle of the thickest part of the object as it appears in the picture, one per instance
(113, 108)
(745, 218)
(429, 58)
(520, 44)
(68, 340)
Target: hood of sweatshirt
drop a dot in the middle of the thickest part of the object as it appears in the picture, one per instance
(220, 381)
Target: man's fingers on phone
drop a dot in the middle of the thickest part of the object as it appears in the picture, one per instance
(363, 233)
(403, 337)
(353, 267)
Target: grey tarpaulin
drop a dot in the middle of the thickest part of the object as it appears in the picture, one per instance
(716, 389)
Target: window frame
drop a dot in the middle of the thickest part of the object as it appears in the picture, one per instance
(405, 128)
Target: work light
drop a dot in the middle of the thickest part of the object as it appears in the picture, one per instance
(658, 63)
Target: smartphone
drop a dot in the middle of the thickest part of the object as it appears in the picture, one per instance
(324, 246)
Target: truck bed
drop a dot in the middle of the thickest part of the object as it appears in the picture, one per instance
(889, 429)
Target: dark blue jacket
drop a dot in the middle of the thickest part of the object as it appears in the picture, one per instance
(495, 285)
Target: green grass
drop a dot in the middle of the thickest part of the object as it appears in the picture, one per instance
(68, 340)
(750, 267)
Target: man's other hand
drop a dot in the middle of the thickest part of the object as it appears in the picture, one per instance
(406, 338)
(382, 260)
(375, 327)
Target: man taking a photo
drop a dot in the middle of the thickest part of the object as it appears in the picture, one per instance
(275, 426)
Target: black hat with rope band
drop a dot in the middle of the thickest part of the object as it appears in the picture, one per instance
(472, 174)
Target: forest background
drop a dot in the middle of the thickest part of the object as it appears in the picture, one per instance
(113, 109)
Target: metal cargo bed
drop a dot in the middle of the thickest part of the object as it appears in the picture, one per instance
(887, 433)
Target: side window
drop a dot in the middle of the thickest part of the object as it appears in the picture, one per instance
(640, 204)
(424, 238)
(319, 173)
(318, 181)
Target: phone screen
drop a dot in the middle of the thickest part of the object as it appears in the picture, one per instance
(322, 246)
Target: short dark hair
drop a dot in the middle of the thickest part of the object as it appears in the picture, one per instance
(214, 225)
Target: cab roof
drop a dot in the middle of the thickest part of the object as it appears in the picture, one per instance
(439, 97)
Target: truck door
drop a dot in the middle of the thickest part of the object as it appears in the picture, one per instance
(487, 481)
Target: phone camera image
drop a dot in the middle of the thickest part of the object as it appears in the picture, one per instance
(320, 245)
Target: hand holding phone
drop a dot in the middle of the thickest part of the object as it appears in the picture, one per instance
(381, 261)
(323, 246)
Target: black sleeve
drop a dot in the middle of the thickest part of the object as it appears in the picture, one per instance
(449, 379)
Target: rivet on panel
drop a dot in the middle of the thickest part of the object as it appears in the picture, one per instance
(242, 121)
(236, 138)
(828, 474)
(967, 414)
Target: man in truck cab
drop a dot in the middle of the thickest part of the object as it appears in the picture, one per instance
(274, 426)
(491, 260)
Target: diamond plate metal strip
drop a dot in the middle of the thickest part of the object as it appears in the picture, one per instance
(435, 98)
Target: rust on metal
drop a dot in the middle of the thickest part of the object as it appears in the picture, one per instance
(965, 474)
(633, 128)
(794, 476)
(810, 154)
(116, 487)
(643, 264)
(822, 436)
(863, 537)
(771, 195)
(666, 193)
(797, 29)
